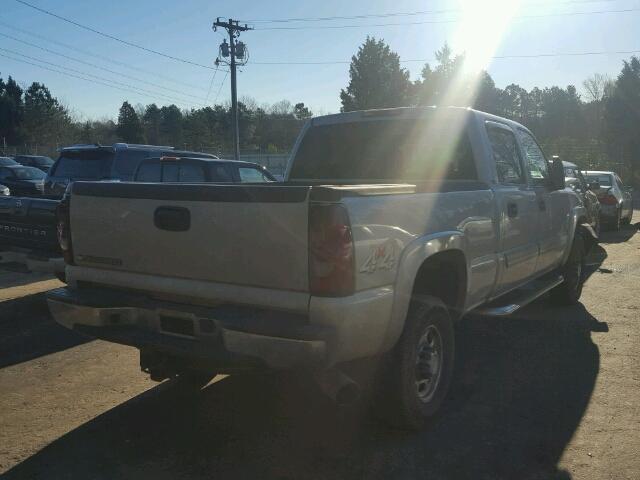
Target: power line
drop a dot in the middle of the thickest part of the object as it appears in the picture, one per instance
(104, 81)
(430, 22)
(112, 37)
(221, 85)
(106, 59)
(77, 76)
(495, 57)
(213, 77)
(403, 14)
(98, 66)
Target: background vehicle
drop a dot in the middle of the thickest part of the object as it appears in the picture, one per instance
(28, 234)
(27, 181)
(37, 161)
(6, 162)
(97, 162)
(576, 180)
(4, 190)
(195, 170)
(390, 226)
(616, 200)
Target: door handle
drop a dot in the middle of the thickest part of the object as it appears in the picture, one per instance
(512, 209)
(173, 219)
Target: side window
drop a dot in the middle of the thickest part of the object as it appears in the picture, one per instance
(149, 172)
(170, 172)
(505, 154)
(219, 173)
(191, 173)
(251, 175)
(5, 173)
(535, 162)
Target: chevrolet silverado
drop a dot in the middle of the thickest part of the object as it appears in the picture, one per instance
(390, 225)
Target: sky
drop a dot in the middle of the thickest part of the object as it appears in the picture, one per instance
(483, 28)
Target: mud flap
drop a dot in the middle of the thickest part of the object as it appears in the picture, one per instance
(589, 235)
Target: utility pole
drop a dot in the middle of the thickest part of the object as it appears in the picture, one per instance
(238, 55)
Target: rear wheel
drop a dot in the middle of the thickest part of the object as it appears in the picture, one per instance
(617, 221)
(418, 373)
(569, 291)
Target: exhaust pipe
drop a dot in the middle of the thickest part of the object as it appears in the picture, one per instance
(338, 387)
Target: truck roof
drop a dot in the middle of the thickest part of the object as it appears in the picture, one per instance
(409, 113)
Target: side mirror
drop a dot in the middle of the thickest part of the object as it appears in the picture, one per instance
(594, 186)
(557, 174)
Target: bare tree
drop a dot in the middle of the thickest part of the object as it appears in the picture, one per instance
(597, 87)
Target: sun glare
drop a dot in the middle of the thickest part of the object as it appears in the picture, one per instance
(483, 25)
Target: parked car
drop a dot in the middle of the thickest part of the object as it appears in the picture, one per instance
(37, 161)
(97, 162)
(616, 200)
(4, 190)
(576, 180)
(27, 181)
(7, 162)
(390, 226)
(200, 170)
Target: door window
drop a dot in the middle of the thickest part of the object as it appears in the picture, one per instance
(505, 154)
(251, 175)
(535, 162)
(5, 173)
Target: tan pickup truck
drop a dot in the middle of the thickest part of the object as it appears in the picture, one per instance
(390, 225)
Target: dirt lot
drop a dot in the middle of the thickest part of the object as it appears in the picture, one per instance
(552, 393)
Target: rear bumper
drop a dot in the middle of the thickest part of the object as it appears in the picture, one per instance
(35, 262)
(224, 337)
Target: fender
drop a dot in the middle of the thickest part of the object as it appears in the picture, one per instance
(577, 212)
(411, 259)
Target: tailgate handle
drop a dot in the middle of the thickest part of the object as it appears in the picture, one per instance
(173, 219)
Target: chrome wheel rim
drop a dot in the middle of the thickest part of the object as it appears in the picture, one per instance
(428, 363)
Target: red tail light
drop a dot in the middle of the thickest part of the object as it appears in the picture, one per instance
(608, 199)
(331, 258)
(63, 214)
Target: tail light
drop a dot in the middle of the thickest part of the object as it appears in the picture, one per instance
(63, 214)
(331, 258)
(608, 199)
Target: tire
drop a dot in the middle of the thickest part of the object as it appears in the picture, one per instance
(617, 222)
(569, 291)
(627, 220)
(425, 351)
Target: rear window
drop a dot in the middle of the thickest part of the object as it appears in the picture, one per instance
(252, 175)
(84, 164)
(127, 161)
(603, 179)
(386, 150)
(182, 172)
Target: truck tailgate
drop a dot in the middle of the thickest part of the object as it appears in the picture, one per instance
(253, 235)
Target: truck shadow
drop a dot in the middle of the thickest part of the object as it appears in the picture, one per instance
(521, 389)
(27, 331)
(621, 236)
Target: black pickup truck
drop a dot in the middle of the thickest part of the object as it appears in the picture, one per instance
(28, 233)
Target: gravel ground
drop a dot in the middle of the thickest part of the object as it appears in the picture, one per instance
(552, 393)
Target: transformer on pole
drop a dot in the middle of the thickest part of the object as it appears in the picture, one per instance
(233, 53)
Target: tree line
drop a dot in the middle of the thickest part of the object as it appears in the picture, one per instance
(599, 130)
(596, 129)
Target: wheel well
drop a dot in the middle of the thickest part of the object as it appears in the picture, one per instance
(444, 275)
